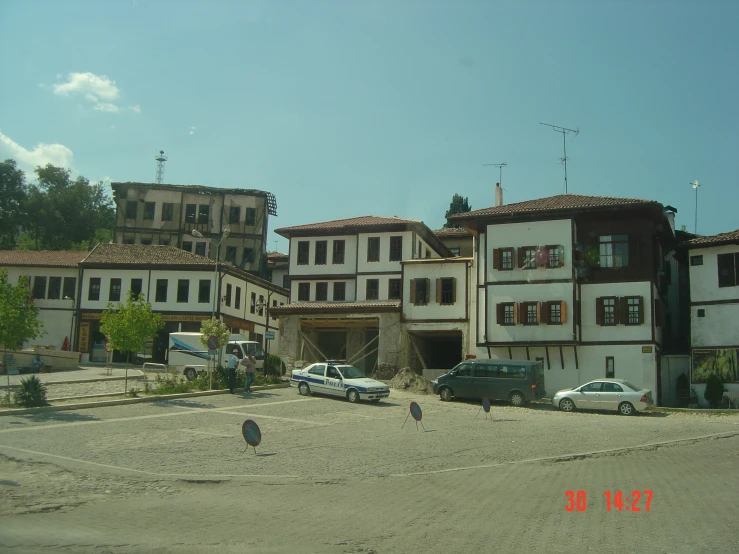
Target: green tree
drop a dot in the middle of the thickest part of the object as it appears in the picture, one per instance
(458, 205)
(13, 198)
(129, 327)
(219, 330)
(19, 320)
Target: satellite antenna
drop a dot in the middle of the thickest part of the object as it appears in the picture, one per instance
(565, 131)
(695, 185)
(499, 166)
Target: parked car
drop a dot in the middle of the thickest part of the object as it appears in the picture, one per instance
(515, 381)
(604, 394)
(337, 379)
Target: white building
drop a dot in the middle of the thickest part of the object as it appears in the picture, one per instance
(573, 281)
(714, 310)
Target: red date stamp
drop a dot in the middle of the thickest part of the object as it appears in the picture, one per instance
(577, 501)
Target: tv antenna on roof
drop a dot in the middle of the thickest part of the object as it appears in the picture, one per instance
(160, 158)
(565, 131)
(499, 166)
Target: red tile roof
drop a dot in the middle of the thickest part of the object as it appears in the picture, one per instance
(345, 307)
(732, 237)
(42, 258)
(447, 232)
(554, 203)
(353, 223)
(144, 254)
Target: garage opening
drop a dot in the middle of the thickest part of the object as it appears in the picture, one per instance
(354, 340)
(435, 350)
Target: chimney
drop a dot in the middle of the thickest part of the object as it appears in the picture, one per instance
(498, 195)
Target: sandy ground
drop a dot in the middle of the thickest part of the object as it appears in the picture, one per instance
(335, 477)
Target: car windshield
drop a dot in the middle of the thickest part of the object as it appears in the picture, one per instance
(350, 372)
(632, 386)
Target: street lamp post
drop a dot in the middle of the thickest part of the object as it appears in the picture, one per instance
(226, 231)
(265, 305)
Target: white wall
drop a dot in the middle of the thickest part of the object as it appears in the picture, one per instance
(592, 332)
(350, 256)
(384, 283)
(719, 326)
(384, 264)
(704, 278)
(529, 292)
(433, 271)
(539, 233)
(349, 295)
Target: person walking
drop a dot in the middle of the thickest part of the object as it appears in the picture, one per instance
(250, 364)
(231, 363)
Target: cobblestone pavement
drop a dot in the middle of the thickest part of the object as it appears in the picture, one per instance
(334, 477)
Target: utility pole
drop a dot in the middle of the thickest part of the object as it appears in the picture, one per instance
(565, 131)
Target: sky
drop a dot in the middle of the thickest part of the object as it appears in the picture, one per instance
(344, 108)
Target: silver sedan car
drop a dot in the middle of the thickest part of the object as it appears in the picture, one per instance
(604, 394)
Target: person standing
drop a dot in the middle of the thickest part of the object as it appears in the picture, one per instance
(231, 363)
(37, 364)
(251, 367)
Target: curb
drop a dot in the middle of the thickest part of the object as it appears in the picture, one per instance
(76, 381)
(125, 401)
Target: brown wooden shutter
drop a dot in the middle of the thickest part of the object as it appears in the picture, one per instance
(413, 291)
(634, 253)
(544, 311)
(563, 311)
(521, 258)
(538, 312)
(561, 253)
(500, 311)
(622, 310)
(496, 258)
(641, 310)
(428, 290)
(438, 291)
(599, 311)
(515, 313)
(454, 290)
(522, 312)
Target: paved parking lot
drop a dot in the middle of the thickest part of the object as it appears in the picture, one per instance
(335, 477)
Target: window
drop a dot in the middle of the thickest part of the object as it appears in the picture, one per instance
(39, 287)
(727, 270)
(203, 213)
(611, 387)
(303, 252)
(190, 210)
(260, 305)
(253, 304)
(237, 298)
(286, 281)
(234, 214)
(455, 251)
(183, 291)
(248, 256)
(161, 292)
(274, 305)
(251, 216)
(132, 207)
(554, 259)
(396, 249)
(610, 368)
(167, 209)
(338, 253)
(633, 308)
(321, 292)
(373, 249)
(394, 289)
(696, 260)
(304, 292)
(373, 289)
(529, 313)
(187, 245)
(149, 208)
(614, 251)
(541, 361)
(321, 251)
(445, 290)
(605, 310)
(463, 370)
(420, 291)
(146, 241)
(114, 294)
(339, 292)
(503, 259)
(70, 286)
(231, 254)
(136, 286)
(55, 288)
(164, 241)
(128, 240)
(592, 387)
(317, 370)
(553, 312)
(420, 251)
(228, 295)
(506, 312)
(701, 312)
(200, 248)
(94, 292)
(527, 257)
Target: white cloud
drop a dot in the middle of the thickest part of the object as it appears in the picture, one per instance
(191, 131)
(55, 154)
(101, 91)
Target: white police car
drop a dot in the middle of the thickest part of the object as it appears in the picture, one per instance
(335, 378)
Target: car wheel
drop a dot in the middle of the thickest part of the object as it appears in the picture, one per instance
(304, 389)
(517, 399)
(626, 408)
(352, 396)
(445, 394)
(567, 405)
(190, 374)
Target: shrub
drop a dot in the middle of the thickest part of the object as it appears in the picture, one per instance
(272, 365)
(714, 390)
(173, 385)
(32, 393)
